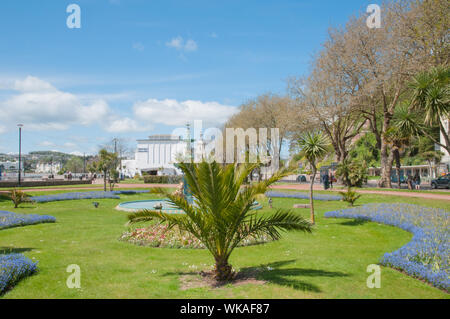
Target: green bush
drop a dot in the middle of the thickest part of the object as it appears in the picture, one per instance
(155, 179)
(352, 172)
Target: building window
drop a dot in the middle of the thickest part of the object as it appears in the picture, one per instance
(142, 150)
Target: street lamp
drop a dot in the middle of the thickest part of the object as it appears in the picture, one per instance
(20, 148)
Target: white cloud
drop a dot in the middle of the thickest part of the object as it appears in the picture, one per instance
(123, 125)
(179, 44)
(33, 84)
(40, 106)
(172, 112)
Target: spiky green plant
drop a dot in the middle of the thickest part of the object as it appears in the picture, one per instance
(350, 196)
(221, 216)
(18, 197)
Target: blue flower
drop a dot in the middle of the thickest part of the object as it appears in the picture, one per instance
(13, 268)
(73, 196)
(321, 197)
(9, 219)
(84, 195)
(426, 256)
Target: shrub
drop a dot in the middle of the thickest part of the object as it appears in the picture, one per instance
(18, 197)
(9, 219)
(322, 197)
(166, 179)
(350, 196)
(426, 255)
(13, 268)
(352, 172)
(130, 192)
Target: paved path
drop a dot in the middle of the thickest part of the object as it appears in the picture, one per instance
(301, 187)
(362, 191)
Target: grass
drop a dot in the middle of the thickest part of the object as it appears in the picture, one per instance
(330, 263)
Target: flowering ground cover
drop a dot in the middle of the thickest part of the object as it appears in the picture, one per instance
(321, 197)
(13, 268)
(159, 235)
(426, 256)
(9, 219)
(73, 196)
(85, 195)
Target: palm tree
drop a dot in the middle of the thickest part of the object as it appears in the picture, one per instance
(314, 147)
(430, 96)
(221, 216)
(405, 126)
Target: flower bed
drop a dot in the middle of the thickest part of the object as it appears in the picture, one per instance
(160, 236)
(13, 268)
(426, 256)
(73, 196)
(322, 197)
(9, 219)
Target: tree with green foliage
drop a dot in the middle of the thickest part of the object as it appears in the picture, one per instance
(106, 164)
(404, 126)
(220, 215)
(314, 147)
(430, 97)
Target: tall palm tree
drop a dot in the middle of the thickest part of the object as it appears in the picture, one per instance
(314, 147)
(405, 125)
(430, 96)
(221, 216)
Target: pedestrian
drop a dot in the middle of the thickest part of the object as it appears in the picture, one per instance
(270, 202)
(409, 181)
(326, 181)
(417, 181)
(331, 177)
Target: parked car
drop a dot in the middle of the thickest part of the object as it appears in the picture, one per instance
(301, 178)
(441, 182)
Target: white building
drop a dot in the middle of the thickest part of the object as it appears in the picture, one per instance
(9, 166)
(155, 155)
(48, 168)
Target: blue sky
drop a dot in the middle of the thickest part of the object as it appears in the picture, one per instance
(137, 67)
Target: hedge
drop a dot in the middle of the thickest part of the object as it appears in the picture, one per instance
(166, 179)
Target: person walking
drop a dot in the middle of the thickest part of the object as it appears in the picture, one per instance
(409, 181)
(326, 181)
(331, 177)
(417, 181)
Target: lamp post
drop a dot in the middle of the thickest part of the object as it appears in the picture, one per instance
(20, 149)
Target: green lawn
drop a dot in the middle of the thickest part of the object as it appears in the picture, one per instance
(330, 263)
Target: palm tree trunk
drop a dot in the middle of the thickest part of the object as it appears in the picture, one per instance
(104, 181)
(223, 271)
(311, 201)
(397, 166)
